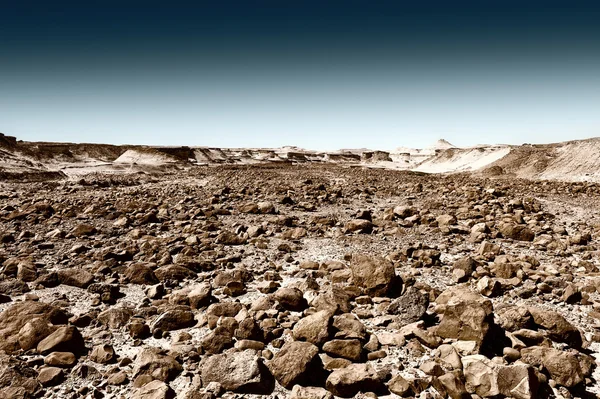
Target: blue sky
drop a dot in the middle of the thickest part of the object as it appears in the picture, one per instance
(319, 75)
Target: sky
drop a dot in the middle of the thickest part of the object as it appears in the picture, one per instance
(320, 75)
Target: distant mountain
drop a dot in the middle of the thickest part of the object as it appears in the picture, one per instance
(442, 144)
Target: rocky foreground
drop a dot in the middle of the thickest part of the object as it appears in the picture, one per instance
(302, 282)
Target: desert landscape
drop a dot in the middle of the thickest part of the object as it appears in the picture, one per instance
(154, 272)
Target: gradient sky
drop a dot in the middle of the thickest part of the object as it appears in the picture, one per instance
(315, 74)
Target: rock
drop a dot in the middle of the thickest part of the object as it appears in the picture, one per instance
(64, 339)
(16, 379)
(409, 307)
(487, 378)
(118, 378)
(33, 332)
(558, 327)
(314, 328)
(13, 318)
(102, 354)
(489, 287)
(50, 376)
(516, 232)
(375, 276)
(445, 220)
(229, 238)
(200, 295)
(481, 375)
(297, 363)
(217, 341)
(513, 317)
(174, 272)
(83, 229)
(174, 320)
(75, 277)
(266, 207)
(453, 384)
(299, 392)
(61, 359)
(291, 299)
(241, 372)
(350, 349)
(347, 326)
(518, 381)
(26, 271)
(115, 317)
(154, 390)
(466, 265)
(467, 316)
(404, 211)
(334, 299)
(348, 381)
(567, 368)
(138, 329)
(449, 357)
(139, 273)
(400, 386)
(294, 234)
(155, 363)
(359, 225)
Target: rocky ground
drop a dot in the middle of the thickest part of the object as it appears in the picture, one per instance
(306, 281)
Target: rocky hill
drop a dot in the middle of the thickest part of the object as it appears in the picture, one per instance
(568, 161)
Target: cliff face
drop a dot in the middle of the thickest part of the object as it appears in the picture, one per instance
(572, 161)
(7, 141)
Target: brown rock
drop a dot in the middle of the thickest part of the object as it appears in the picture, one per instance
(348, 381)
(241, 372)
(297, 363)
(60, 359)
(102, 354)
(375, 276)
(314, 328)
(350, 349)
(50, 376)
(64, 339)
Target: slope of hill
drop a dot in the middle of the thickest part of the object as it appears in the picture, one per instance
(570, 161)
(577, 160)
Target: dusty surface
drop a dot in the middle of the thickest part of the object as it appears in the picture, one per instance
(280, 217)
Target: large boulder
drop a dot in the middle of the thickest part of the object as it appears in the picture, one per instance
(75, 277)
(64, 339)
(297, 363)
(358, 377)
(567, 368)
(466, 316)
(158, 365)
(241, 372)
(375, 276)
(486, 378)
(409, 307)
(115, 317)
(33, 332)
(174, 319)
(16, 316)
(350, 349)
(558, 327)
(139, 273)
(314, 328)
(291, 299)
(154, 390)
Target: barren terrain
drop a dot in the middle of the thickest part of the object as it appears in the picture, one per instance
(144, 275)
